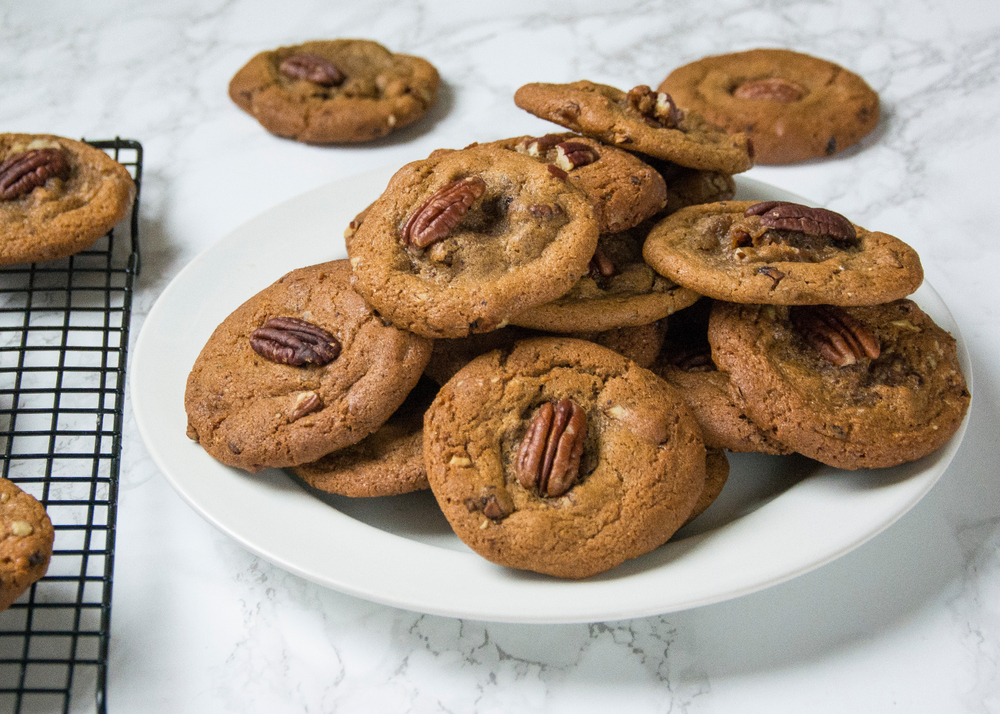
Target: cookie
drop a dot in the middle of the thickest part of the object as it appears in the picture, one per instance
(781, 253)
(57, 196)
(625, 464)
(638, 120)
(301, 369)
(716, 476)
(857, 387)
(619, 290)
(689, 187)
(685, 362)
(792, 105)
(26, 537)
(462, 242)
(623, 190)
(334, 91)
(388, 462)
(641, 343)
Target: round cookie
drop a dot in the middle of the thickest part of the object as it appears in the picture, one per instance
(386, 463)
(26, 537)
(685, 362)
(638, 120)
(264, 392)
(780, 253)
(57, 196)
(461, 242)
(619, 290)
(792, 105)
(332, 91)
(627, 461)
(858, 387)
(623, 190)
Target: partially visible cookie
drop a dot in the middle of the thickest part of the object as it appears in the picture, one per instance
(386, 463)
(619, 290)
(638, 120)
(688, 187)
(623, 189)
(26, 537)
(57, 196)
(302, 368)
(333, 91)
(857, 387)
(716, 476)
(777, 252)
(562, 457)
(685, 362)
(461, 242)
(792, 105)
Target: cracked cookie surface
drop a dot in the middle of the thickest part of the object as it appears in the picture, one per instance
(718, 251)
(460, 242)
(252, 412)
(66, 213)
(875, 412)
(373, 91)
(641, 460)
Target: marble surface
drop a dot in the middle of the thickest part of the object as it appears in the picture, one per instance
(910, 621)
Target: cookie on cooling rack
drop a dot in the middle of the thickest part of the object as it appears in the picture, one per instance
(26, 537)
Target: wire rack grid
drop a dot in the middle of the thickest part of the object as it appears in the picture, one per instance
(64, 331)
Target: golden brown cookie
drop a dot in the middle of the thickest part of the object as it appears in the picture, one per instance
(781, 253)
(57, 196)
(858, 387)
(716, 476)
(792, 105)
(562, 457)
(461, 242)
(26, 537)
(619, 290)
(638, 120)
(331, 91)
(386, 463)
(301, 369)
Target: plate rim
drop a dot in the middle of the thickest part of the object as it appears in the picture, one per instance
(590, 599)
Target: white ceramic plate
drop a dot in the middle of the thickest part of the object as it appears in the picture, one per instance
(777, 518)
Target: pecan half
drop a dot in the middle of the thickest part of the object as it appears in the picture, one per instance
(775, 89)
(22, 173)
(571, 154)
(442, 212)
(838, 337)
(656, 108)
(549, 457)
(784, 215)
(312, 68)
(289, 340)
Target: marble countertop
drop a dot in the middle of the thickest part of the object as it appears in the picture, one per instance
(909, 621)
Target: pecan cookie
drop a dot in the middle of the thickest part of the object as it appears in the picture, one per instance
(301, 369)
(638, 120)
(619, 290)
(330, 91)
(623, 189)
(792, 105)
(26, 537)
(461, 242)
(781, 253)
(57, 196)
(685, 362)
(562, 457)
(386, 463)
(859, 387)
(716, 476)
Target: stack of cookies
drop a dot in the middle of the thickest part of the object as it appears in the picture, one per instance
(562, 335)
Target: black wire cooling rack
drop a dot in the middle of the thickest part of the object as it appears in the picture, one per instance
(64, 328)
